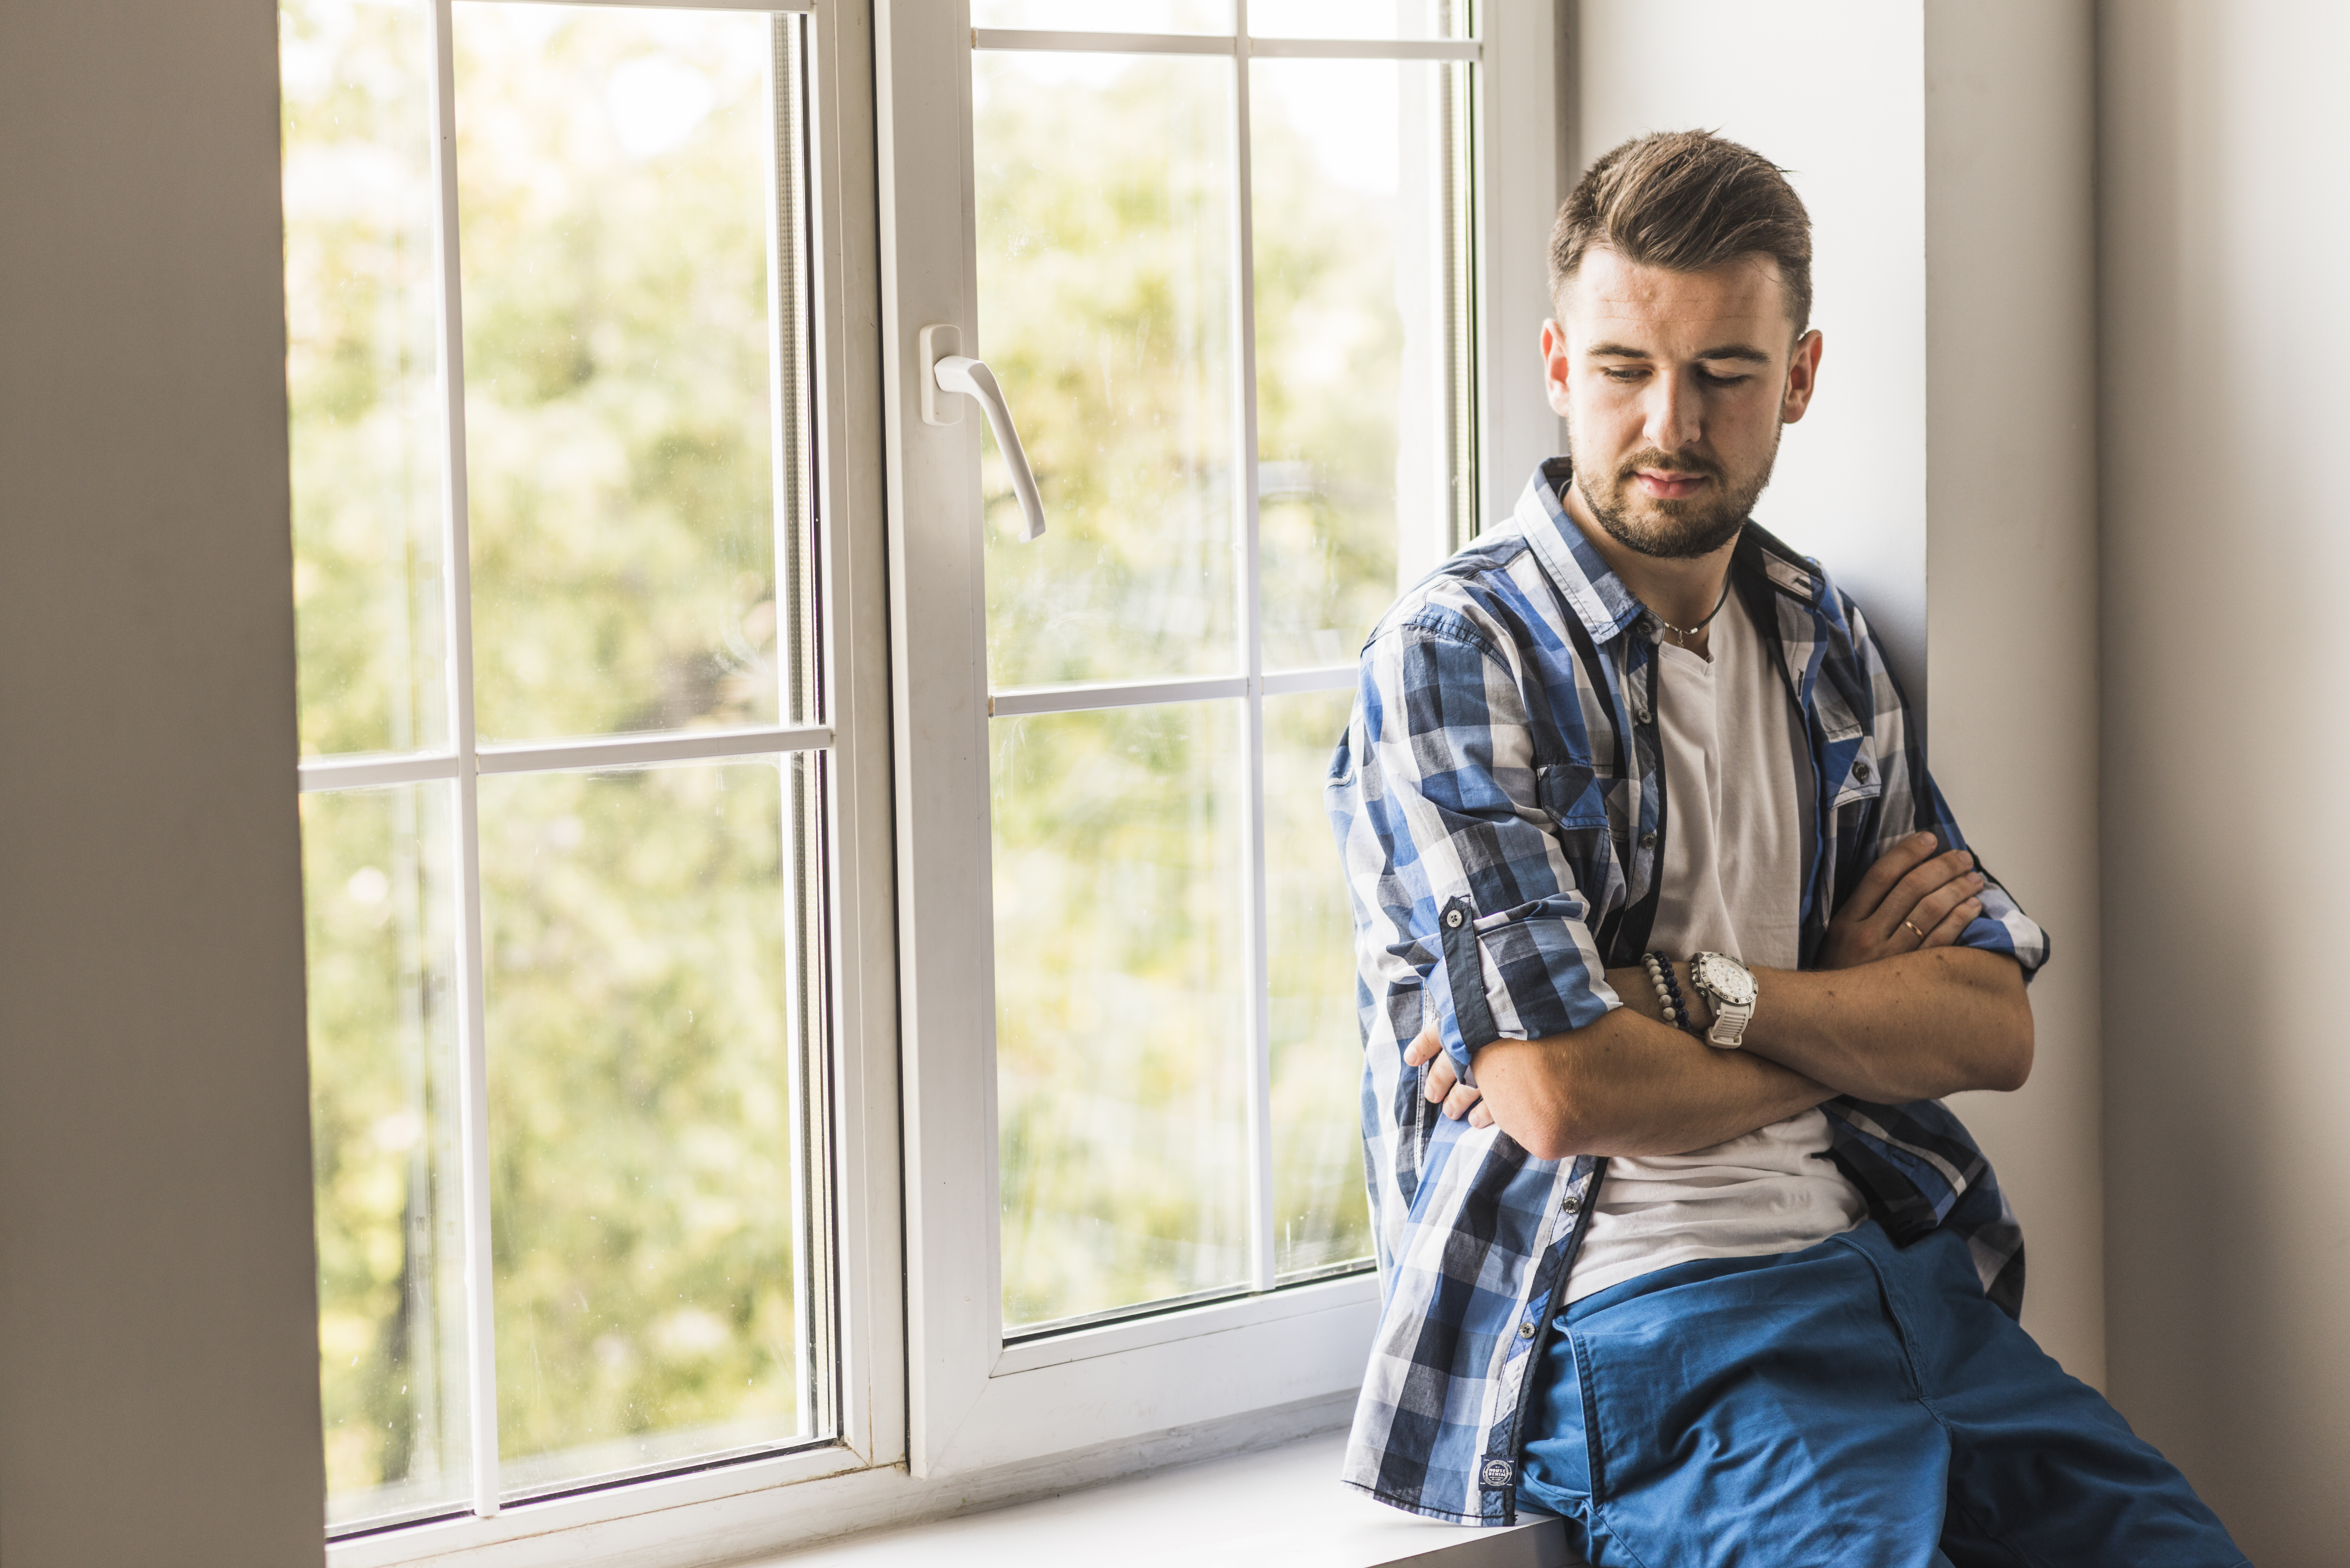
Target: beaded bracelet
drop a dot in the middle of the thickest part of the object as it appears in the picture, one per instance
(1669, 991)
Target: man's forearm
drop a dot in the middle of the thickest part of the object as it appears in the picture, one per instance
(1632, 1084)
(1915, 1027)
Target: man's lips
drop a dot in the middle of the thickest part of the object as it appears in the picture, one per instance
(1669, 486)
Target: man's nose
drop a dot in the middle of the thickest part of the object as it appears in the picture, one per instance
(1676, 418)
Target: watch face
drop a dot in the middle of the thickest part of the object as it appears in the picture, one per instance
(1728, 980)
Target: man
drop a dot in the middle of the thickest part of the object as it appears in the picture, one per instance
(1668, 947)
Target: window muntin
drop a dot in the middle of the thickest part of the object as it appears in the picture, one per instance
(569, 1032)
(1180, 256)
(1113, 15)
(1390, 19)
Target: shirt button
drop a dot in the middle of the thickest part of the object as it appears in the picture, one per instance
(1452, 919)
(1572, 1206)
(1525, 1331)
(1647, 841)
(1860, 769)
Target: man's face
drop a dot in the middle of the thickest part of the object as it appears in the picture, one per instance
(1674, 386)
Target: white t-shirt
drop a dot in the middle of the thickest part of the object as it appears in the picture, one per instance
(1733, 883)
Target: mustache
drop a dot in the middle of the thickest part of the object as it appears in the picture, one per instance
(1658, 463)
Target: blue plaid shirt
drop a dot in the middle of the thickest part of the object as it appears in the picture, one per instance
(1499, 800)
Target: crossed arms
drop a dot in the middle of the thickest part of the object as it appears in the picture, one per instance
(1887, 1017)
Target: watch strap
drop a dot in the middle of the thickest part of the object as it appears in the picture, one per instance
(1729, 1018)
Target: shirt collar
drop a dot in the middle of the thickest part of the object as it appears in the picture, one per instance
(1592, 588)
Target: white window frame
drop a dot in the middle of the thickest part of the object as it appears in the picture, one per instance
(859, 1263)
(977, 1401)
(934, 1410)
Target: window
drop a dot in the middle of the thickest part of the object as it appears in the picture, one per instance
(1227, 262)
(1186, 254)
(567, 744)
(708, 865)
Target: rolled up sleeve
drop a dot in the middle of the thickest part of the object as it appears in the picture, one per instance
(2003, 927)
(1454, 850)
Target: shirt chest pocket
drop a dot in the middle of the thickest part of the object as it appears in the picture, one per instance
(1862, 781)
(1568, 793)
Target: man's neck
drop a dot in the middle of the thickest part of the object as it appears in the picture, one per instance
(1681, 593)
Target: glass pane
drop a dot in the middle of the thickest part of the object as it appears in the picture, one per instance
(1105, 16)
(644, 1115)
(1361, 342)
(1358, 18)
(1121, 1050)
(378, 901)
(613, 167)
(361, 374)
(1106, 309)
(1320, 1219)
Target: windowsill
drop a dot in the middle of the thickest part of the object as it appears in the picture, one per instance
(1279, 1506)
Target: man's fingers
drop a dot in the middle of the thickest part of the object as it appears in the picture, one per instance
(1890, 868)
(1481, 1117)
(1935, 906)
(1462, 1100)
(1946, 934)
(1441, 1076)
(1428, 1043)
(1919, 886)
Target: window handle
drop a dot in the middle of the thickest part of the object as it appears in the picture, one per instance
(951, 371)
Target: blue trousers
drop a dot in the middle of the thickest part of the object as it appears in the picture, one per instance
(1853, 1403)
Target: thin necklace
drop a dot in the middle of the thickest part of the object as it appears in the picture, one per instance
(1685, 633)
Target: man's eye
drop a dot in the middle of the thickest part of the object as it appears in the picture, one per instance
(1712, 379)
(1622, 372)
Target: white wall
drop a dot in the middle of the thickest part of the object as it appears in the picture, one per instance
(2227, 891)
(1832, 91)
(158, 1378)
(2010, 579)
(1943, 149)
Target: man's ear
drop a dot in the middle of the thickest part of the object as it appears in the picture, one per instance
(1554, 365)
(1802, 377)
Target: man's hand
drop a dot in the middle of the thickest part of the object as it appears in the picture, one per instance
(1445, 1083)
(1910, 900)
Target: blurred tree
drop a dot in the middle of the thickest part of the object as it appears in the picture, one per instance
(637, 924)
(1104, 260)
(612, 171)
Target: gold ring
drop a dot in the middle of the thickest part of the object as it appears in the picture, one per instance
(1915, 931)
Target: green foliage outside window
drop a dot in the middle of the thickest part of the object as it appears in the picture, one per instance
(636, 925)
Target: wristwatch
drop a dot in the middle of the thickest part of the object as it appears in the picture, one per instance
(1730, 986)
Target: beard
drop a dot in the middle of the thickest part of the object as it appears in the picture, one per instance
(1670, 529)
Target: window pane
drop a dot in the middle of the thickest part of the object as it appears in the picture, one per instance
(1105, 16)
(1105, 310)
(1361, 334)
(362, 375)
(644, 1115)
(1320, 1216)
(1121, 1051)
(613, 167)
(1358, 18)
(378, 901)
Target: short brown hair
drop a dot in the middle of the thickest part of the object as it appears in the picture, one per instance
(1687, 200)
